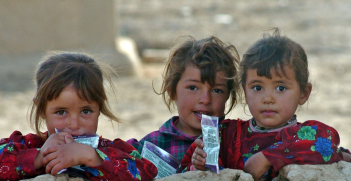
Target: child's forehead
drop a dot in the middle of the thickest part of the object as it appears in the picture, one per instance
(194, 72)
(81, 94)
(284, 72)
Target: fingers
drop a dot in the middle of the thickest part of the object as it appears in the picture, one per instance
(49, 150)
(197, 164)
(199, 143)
(57, 139)
(53, 167)
(69, 139)
(50, 160)
(199, 159)
(200, 152)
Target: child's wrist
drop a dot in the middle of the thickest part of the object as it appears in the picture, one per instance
(95, 159)
(38, 160)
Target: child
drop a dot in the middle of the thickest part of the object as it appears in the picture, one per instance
(199, 78)
(274, 77)
(70, 97)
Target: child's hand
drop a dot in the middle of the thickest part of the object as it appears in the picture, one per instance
(199, 156)
(70, 154)
(347, 156)
(257, 165)
(53, 140)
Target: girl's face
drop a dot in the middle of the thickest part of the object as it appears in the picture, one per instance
(71, 114)
(273, 102)
(194, 98)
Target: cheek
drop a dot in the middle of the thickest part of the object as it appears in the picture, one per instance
(183, 100)
(219, 105)
(51, 128)
(250, 100)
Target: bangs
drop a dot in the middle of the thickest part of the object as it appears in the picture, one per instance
(85, 81)
(267, 57)
(210, 60)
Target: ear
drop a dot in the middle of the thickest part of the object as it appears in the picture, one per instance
(305, 94)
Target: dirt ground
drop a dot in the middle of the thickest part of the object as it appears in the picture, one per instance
(323, 28)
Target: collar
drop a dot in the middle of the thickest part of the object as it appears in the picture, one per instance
(255, 128)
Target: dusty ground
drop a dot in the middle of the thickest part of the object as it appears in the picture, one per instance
(322, 27)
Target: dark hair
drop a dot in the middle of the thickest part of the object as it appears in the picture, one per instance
(60, 69)
(275, 52)
(210, 55)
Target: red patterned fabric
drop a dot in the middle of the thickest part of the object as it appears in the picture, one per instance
(311, 142)
(121, 160)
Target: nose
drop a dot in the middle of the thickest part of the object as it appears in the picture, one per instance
(268, 98)
(74, 122)
(205, 97)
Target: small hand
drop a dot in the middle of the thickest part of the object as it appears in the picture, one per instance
(347, 156)
(70, 154)
(53, 140)
(198, 159)
(257, 165)
(59, 157)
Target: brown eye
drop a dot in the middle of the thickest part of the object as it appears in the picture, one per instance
(257, 88)
(61, 112)
(281, 88)
(191, 87)
(86, 111)
(217, 91)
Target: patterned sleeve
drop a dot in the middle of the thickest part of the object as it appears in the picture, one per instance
(185, 164)
(151, 137)
(17, 154)
(138, 145)
(311, 142)
(121, 162)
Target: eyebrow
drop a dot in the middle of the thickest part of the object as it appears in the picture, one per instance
(88, 107)
(281, 82)
(224, 85)
(192, 80)
(254, 81)
(199, 81)
(57, 107)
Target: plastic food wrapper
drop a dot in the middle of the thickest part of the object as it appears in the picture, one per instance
(91, 140)
(209, 126)
(166, 163)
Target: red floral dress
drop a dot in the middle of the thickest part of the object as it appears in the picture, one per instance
(121, 160)
(311, 142)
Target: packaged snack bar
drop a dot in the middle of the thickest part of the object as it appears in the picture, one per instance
(166, 163)
(91, 140)
(209, 126)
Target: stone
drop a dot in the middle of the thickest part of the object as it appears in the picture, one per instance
(340, 171)
(224, 175)
(59, 177)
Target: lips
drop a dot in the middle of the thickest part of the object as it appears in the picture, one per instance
(268, 112)
(200, 113)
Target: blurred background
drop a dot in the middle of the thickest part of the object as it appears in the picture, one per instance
(134, 36)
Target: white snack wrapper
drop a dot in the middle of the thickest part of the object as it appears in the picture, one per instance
(210, 134)
(166, 163)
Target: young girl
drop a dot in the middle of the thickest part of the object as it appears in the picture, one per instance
(274, 76)
(70, 97)
(199, 78)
